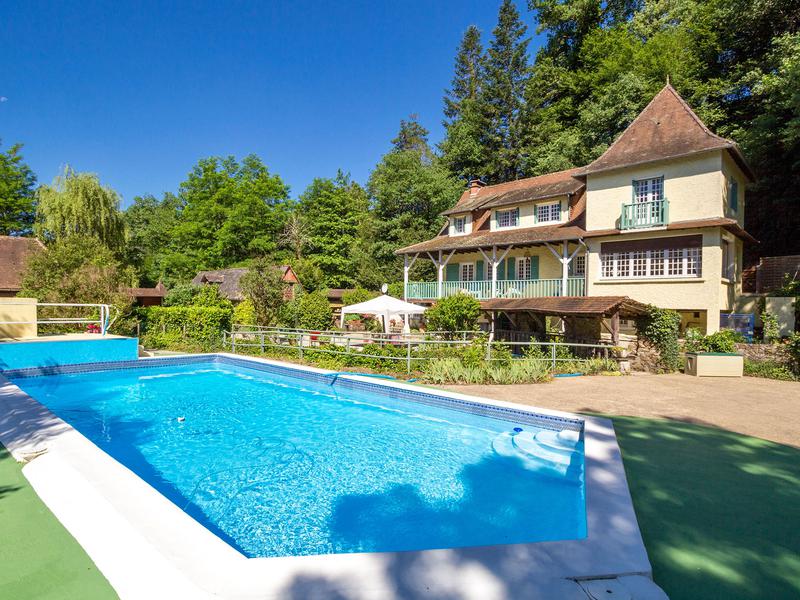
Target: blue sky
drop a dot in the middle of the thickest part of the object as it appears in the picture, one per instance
(138, 92)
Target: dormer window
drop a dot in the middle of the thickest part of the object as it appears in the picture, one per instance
(550, 212)
(460, 224)
(508, 218)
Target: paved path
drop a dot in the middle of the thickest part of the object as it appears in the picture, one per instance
(763, 408)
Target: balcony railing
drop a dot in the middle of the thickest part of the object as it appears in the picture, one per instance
(506, 288)
(640, 215)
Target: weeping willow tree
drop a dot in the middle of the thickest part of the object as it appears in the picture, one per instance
(77, 204)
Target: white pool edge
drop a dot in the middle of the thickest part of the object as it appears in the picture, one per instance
(148, 548)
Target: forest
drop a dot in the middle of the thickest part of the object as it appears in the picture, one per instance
(508, 113)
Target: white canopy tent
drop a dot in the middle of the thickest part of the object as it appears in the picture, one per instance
(385, 307)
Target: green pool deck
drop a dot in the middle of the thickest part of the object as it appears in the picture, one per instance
(39, 559)
(719, 512)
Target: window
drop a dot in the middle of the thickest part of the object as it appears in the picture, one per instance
(728, 260)
(548, 212)
(467, 272)
(648, 190)
(489, 268)
(733, 195)
(460, 224)
(524, 267)
(577, 268)
(644, 264)
(508, 218)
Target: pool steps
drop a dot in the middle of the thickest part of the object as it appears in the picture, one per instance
(544, 451)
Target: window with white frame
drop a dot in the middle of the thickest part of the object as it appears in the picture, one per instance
(467, 271)
(508, 218)
(548, 212)
(489, 268)
(460, 224)
(524, 267)
(577, 267)
(648, 190)
(645, 264)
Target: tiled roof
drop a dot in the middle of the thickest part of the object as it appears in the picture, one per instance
(520, 190)
(729, 224)
(229, 280)
(567, 305)
(14, 255)
(666, 128)
(154, 292)
(505, 237)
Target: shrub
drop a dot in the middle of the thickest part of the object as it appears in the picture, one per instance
(722, 341)
(453, 370)
(769, 369)
(244, 313)
(208, 295)
(793, 348)
(660, 327)
(771, 332)
(164, 326)
(357, 296)
(314, 311)
(455, 313)
(181, 294)
(263, 284)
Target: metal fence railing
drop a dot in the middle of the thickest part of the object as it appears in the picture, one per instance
(415, 344)
(103, 312)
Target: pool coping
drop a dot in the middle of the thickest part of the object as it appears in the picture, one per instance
(148, 547)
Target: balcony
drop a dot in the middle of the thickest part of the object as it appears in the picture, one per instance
(506, 288)
(641, 215)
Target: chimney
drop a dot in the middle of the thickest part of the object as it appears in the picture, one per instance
(474, 186)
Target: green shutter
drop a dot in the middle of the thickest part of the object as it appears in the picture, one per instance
(479, 274)
(501, 269)
(734, 199)
(511, 271)
(534, 267)
(451, 272)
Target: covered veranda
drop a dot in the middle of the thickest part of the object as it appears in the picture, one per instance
(583, 318)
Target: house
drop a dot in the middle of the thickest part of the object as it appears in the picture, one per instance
(657, 219)
(153, 296)
(14, 255)
(229, 281)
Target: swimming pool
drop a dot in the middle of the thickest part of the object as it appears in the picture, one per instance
(282, 464)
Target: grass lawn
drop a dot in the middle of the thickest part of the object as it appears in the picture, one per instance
(38, 557)
(719, 511)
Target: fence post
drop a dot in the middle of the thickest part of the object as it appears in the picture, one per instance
(408, 355)
(262, 342)
(300, 345)
(553, 354)
(233, 342)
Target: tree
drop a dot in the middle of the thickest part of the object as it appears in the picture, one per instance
(463, 148)
(77, 204)
(295, 234)
(80, 269)
(454, 313)
(409, 189)
(333, 210)
(263, 284)
(309, 311)
(502, 95)
(412, 136)
(231, 212)
(150, 223)
(17, 196)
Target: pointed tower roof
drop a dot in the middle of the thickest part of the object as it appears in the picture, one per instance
(666, 128)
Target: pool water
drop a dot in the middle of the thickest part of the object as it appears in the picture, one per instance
(277, 465)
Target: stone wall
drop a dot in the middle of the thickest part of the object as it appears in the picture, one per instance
(763, 352)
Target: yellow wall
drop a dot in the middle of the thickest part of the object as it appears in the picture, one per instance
(18, 309)
(703, 293)
(730, 170)
(693, 186)
(549, 267)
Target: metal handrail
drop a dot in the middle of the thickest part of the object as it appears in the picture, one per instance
(105, 321)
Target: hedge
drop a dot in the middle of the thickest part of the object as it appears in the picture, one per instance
(162, 324)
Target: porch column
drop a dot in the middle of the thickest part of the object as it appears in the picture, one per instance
(405, 277)
(565, 259)
(615, 328)
(494, 276)
(439, 275)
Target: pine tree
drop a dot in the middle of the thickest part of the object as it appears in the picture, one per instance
(466, 83)
(412, 135)
(502, 95)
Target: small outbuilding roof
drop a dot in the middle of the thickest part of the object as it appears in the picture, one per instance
(14, 255)
(229, 280)
(586, 306)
